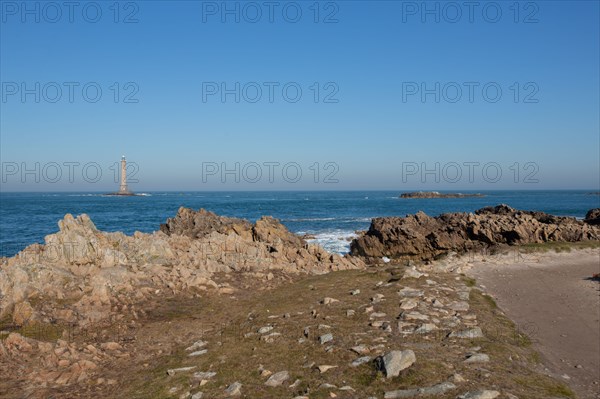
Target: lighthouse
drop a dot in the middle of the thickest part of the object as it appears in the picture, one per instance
(123, 187)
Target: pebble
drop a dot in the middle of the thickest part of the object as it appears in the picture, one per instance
(323, 339)
(360, 361)
(471, 333)
(196, 345)
(481, 394)
(329, 301)
(478, 358)
(180, 370)
(198, 353)
(234, 389)
(325, 367)
(277, 379)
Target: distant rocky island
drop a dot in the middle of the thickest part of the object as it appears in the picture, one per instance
(435, 194)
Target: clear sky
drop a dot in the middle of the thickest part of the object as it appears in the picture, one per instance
(387, 89)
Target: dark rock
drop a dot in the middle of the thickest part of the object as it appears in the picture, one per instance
(593, 216)
(423, 237)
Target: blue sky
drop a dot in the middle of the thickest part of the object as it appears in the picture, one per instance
(366, 128)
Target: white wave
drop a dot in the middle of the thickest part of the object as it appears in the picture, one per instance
(335, 241)
(308, 219)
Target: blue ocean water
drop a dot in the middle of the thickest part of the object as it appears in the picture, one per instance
(333, 216)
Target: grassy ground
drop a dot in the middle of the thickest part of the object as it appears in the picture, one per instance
(223, 320)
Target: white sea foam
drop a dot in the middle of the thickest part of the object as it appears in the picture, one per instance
(308, 219)
(335, 241)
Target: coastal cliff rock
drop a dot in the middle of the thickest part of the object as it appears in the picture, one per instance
(435, 194)
(88, 269)
(424, 237)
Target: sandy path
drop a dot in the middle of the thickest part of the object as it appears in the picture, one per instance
(548, 297)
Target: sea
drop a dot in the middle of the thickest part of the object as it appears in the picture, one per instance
(330, 218)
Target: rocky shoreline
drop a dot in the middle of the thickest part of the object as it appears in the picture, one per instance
(424, 237)
(88, 301)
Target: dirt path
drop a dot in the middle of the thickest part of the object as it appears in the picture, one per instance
(550, 298)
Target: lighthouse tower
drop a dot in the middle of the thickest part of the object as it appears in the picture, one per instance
(123, 187)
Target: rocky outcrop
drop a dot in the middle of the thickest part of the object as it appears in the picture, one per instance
(87, 268)
(198, 224)
(593, 216)
(423, 237)
(435, 194)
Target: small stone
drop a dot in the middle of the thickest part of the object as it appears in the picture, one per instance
(410, 292)
(180, 370)
(329, 301)
(377, 315)
(478, 358)
(295, 384)
(350, 312)
(396, 361)
(198, 353)
(459, 306)
(355, 292)
(425, 328)
(435, 390)
(234, 389)
(360, 349)
(360, 361)
(471, 333)
(264, 330)
(412, 273)
(277, 379)
(414, 316)
(325, 368)
(204, 375)
(323, 339)
(265, 373)
(437, 303)
(196, 345)
(197, 395)
(408, 304)
(481, 394)
(327, 386)
(111, 346)
(270, 338)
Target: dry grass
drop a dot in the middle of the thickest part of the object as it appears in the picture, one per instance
(223, 321)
